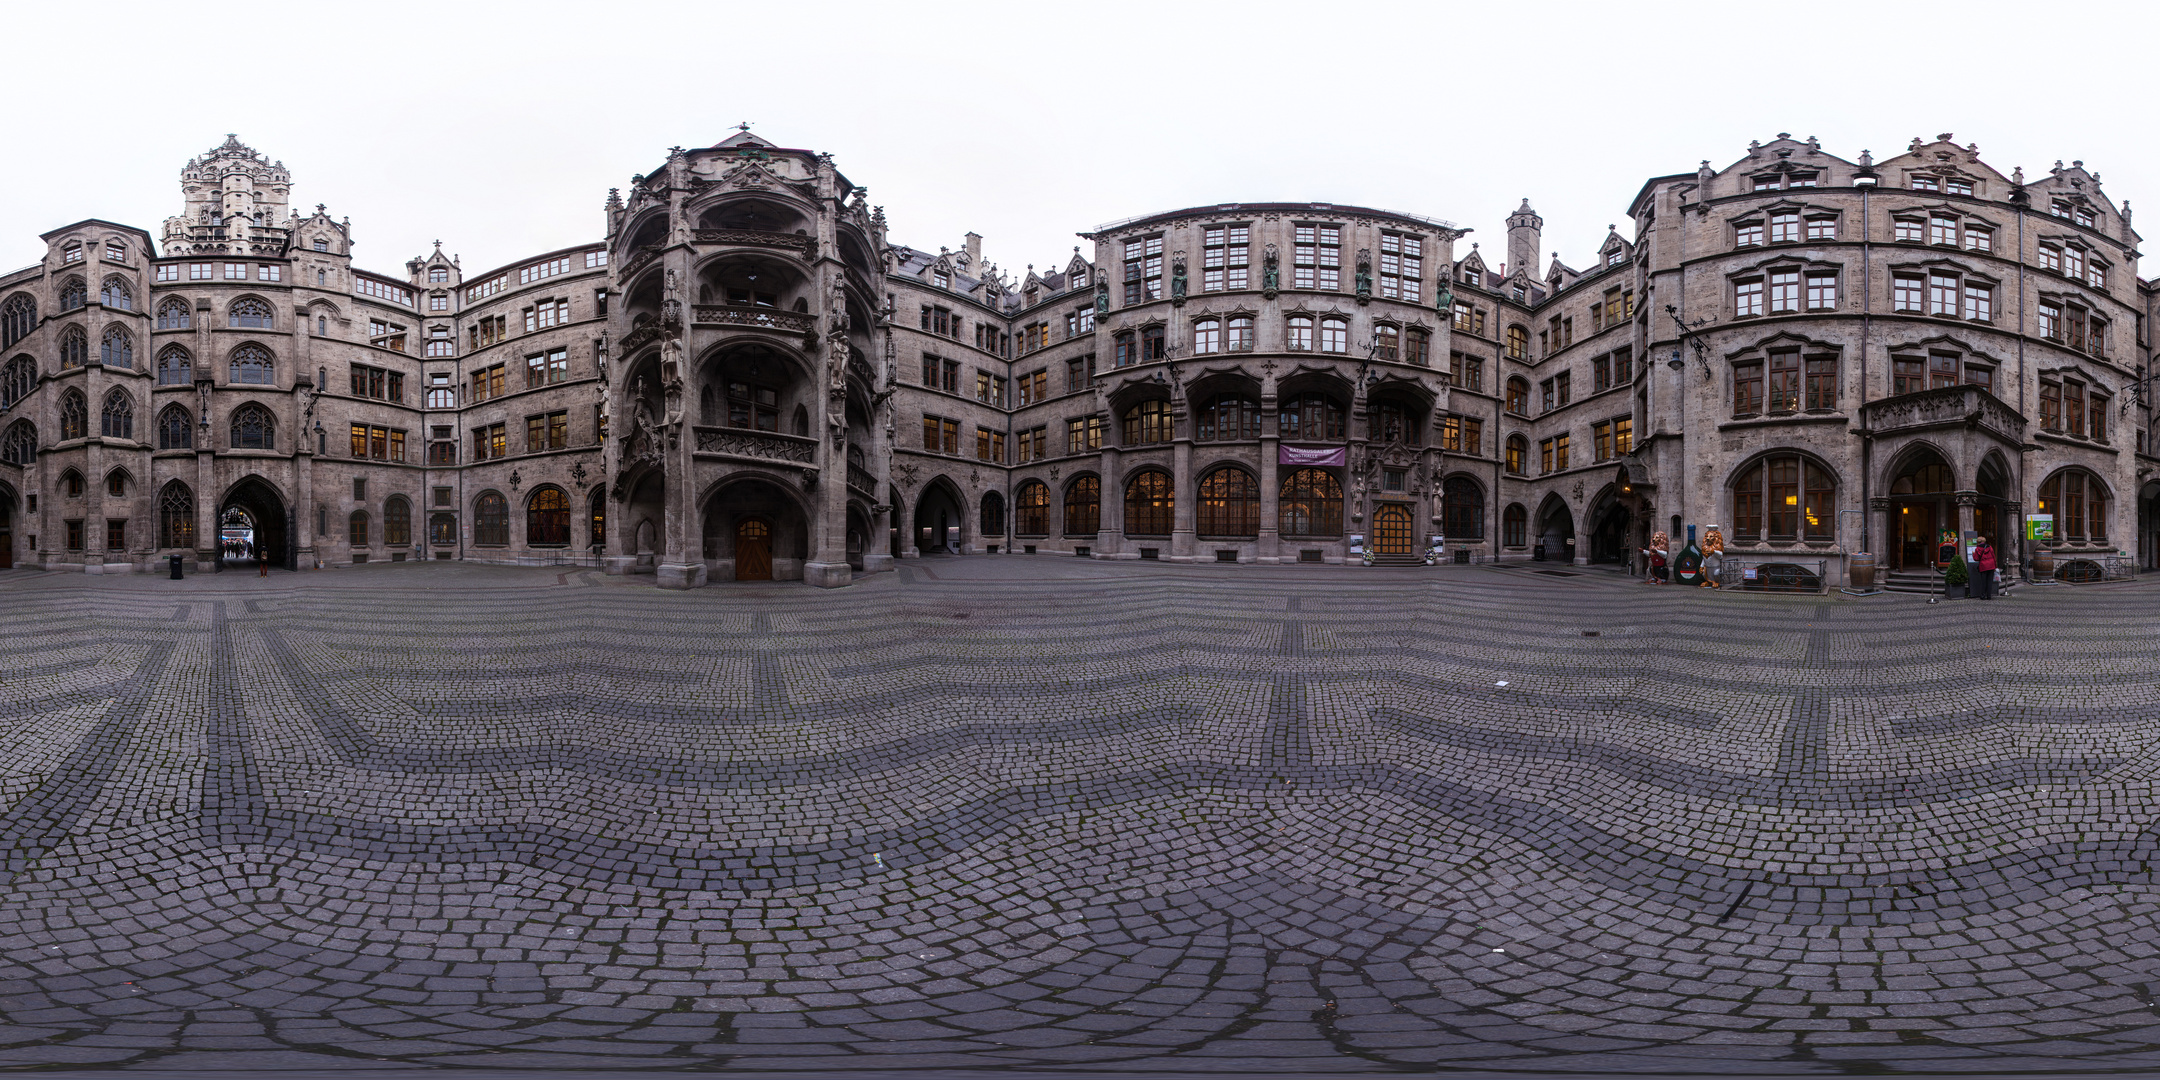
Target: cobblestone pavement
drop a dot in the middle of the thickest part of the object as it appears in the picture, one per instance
(1041, 813)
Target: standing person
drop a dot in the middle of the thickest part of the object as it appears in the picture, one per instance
(262, 560)
(1983, 570)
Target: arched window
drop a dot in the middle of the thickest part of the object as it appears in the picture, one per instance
(491, 521)
(176, 429)
(253, 429)
(1387, 342)
(1147, 422)
(1229, 503)
(1147, 504)
(802, 421)
(993, 514)
(1310, 416)
(1518, 396)
(547, 519)
(116, 483)
(252, 364)
(118, 349)
(173, 315)
(74, 415)
(1393, 422)
(72, 483)
(598, 514)
(73, 294)
(1311, 504)
(1297, 333)
(321, 245)
(1207, 336)
(1784, 497)
(1514, 526)
(74, 348)
(20, 444)
(397, 522)
(1518, 343)
(175, 367)
(117, 419)
(1031, 509)
(2079, 503)
(115, 294)
(1462, 509)
(322, 325)
(1128, 350)
(17, 318)
(1417, 348)
(1229, 416)
(356, 529)
(1518, 454)
(176, 517)
(1083, 507)
(17, 379)
(251, 313)
(1153, 344)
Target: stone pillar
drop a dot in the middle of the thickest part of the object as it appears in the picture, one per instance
(94, 497)
(1886, 532)
(1269, 547)
(1184, 497)
(827, 567)
(1110, 529)
(1966, 501)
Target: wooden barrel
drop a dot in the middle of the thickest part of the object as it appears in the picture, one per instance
(2043, 564)
(1860, 570)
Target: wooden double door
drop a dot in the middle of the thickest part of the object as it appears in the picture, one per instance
(753, 550)
(1392, 534)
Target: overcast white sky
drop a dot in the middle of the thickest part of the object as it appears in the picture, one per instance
(498, 128)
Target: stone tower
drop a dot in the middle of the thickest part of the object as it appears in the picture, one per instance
(1523, 239)
(230, 191)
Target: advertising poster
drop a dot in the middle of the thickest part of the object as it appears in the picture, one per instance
(2040, 528)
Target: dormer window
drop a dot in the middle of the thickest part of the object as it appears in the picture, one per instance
(1925, 183)
(438, 274)
(1956, 186)
(2086, 217)
(1616, 256)
(1802, 180)
(71, 253)
(115, 251)
(321, 244)
(941, 279)
(1078, 277)
(1766, 183)
(2059, 208)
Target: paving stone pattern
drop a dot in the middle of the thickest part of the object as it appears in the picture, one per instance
(1039, 813)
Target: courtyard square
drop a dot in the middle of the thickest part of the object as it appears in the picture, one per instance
(1029, 813)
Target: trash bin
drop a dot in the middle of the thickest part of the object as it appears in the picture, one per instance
(174, 561)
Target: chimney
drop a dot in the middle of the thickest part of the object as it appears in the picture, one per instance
(974, 252)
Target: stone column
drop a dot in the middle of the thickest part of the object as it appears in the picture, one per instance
(1886, 534)
(1269, 547)
(827, 567)
(1110, 528)
(1184, 497)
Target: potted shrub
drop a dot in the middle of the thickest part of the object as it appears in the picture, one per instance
(1955, 577)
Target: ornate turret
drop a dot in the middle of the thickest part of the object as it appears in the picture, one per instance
(1523, 239)
(236, 200)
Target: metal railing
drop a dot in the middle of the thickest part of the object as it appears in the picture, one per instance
(1774, 575)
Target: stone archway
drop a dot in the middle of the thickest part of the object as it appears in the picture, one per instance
(267, 516)
(1556, 529)
(754, 509)
(941, 519)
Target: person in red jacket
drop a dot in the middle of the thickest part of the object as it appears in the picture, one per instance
(1983, 570)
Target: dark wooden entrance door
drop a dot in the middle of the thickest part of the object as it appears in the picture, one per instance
(1916, 536)
(753, 551)
(7, 550)
(1391, 530)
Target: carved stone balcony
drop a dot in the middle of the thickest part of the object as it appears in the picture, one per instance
(754, 318)
(1968, 406)
(806, 246)
(757, 445)
(862, 480)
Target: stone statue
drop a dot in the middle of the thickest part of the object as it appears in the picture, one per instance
(1177, 280)
(1102, 298)
(1270, 273)
(1364, 274)
(1446, 300)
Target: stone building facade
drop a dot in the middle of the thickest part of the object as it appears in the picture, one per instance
(1818, 356)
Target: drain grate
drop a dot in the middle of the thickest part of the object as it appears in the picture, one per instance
(1557, 573)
